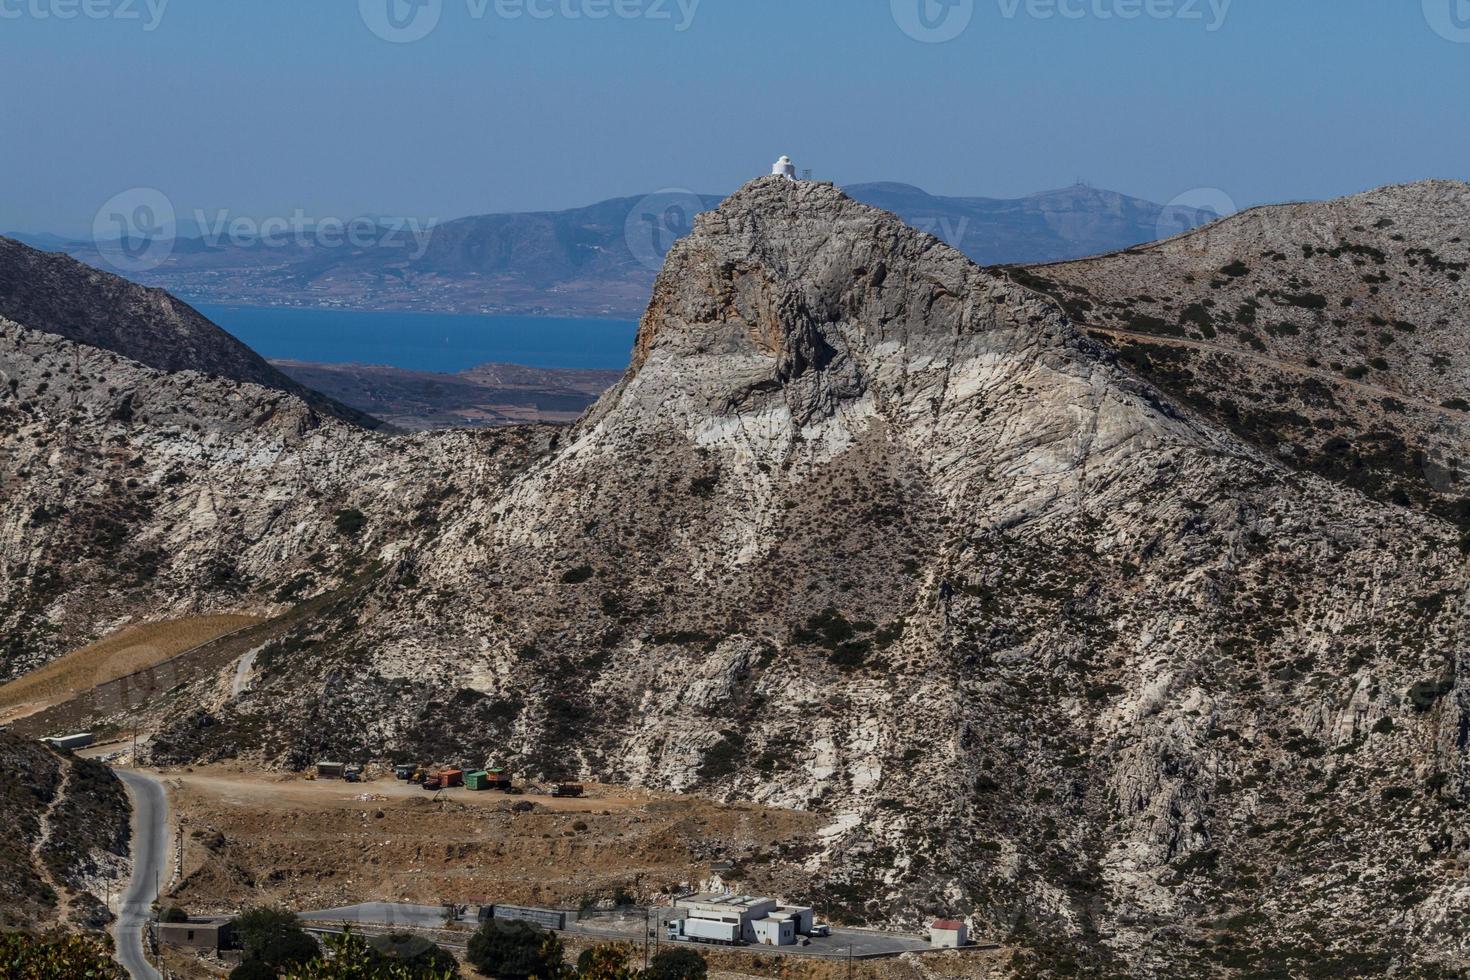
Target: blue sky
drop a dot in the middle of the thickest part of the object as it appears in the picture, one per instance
(265, 107)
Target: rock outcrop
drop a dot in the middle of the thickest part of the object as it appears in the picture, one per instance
(864, 529)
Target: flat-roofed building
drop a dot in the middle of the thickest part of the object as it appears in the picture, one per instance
(759, 920)
(199, 933)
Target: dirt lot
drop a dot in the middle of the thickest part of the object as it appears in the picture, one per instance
(253, 837)
(134, 649)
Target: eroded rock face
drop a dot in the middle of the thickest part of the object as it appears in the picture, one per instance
(870, 530)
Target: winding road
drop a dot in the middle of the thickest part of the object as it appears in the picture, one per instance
(150, 853)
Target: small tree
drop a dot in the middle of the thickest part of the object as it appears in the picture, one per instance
(516, 951)
(415, 955)
(252, 970)
(354, 959)
(275, 938)
(607, 961)
(677, 964)
(173, 914)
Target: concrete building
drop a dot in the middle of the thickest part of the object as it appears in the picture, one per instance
(211, 934)
(752, 920)
(784, 168)
(948, 934)
(70, 742)
(775, 930)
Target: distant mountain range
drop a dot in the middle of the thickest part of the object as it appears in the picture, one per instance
(598, 260)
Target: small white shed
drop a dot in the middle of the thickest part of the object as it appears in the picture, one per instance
(948, 934)
(775, 930)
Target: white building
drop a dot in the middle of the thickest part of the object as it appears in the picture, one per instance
(784, 168)
(948, 934)
(752, 920)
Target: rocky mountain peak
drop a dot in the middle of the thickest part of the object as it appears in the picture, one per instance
(797, 289)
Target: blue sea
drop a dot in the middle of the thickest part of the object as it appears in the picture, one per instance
(446, 342)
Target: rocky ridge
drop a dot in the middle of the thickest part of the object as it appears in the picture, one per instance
(67, 837)
(869, 530)
(58, 294)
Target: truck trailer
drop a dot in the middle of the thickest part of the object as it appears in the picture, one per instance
(705, 931)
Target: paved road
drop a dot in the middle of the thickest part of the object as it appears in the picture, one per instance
(382, 913)
(150, 853)
(858, 943)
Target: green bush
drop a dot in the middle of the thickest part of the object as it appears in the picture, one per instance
(677, 964)
(351, 521)
(173, 914)
(24, 956)
(252, 970)
(515, 951)
(275, 938)
(417, 956)
(351, 958)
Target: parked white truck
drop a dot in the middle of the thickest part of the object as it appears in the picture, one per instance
(704, 931)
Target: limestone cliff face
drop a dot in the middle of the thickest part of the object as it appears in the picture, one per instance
(873, 531)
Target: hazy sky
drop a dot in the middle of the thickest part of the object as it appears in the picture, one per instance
(270, 106)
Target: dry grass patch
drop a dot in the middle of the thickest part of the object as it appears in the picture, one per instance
(134, 649)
